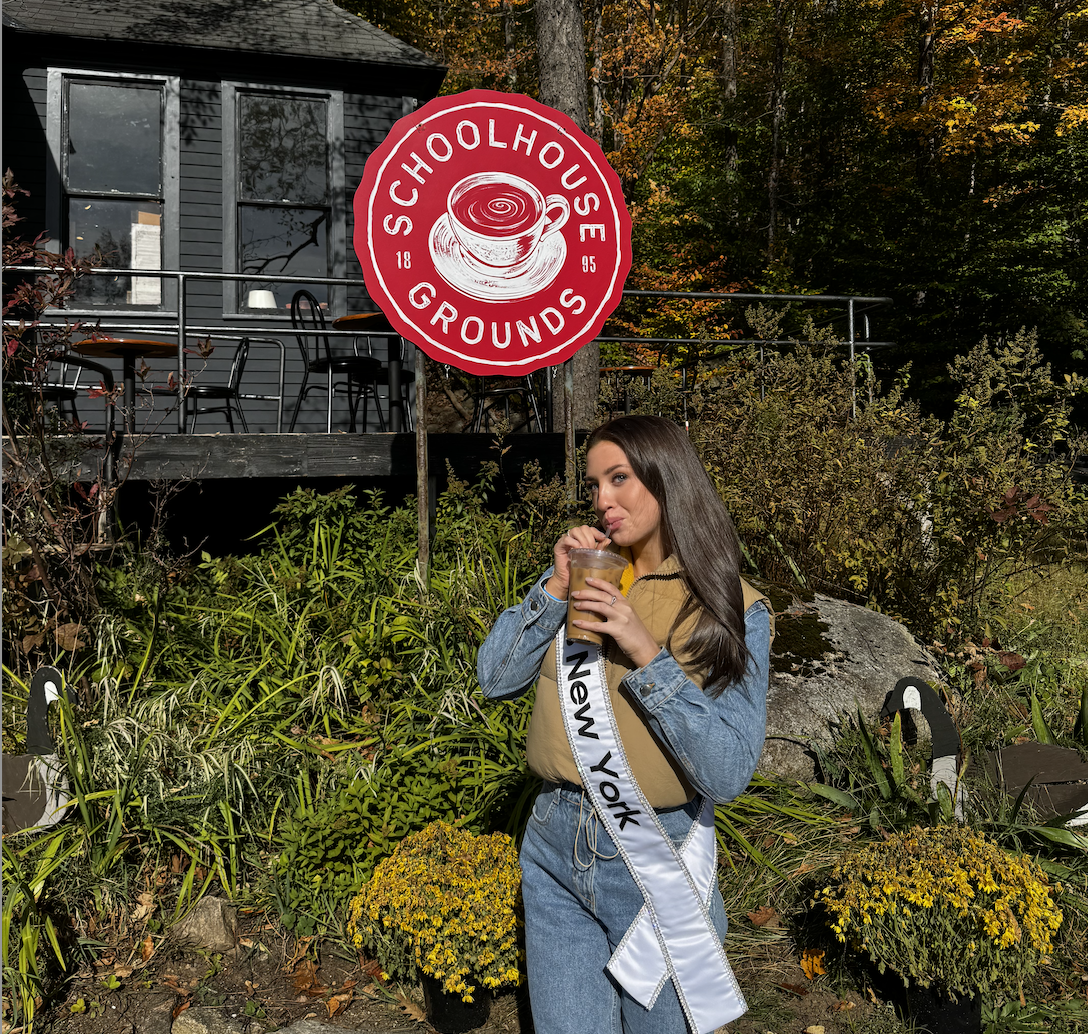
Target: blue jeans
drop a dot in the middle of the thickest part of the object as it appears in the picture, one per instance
(579, 901)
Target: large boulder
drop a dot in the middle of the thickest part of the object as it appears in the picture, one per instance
(828, 658)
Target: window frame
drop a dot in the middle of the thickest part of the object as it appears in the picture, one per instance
(58, 78)
(336, 234)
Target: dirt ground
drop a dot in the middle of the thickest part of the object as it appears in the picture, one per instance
(268, 983)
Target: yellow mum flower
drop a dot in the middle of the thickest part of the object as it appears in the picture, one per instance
(964, 889)
(440, 904)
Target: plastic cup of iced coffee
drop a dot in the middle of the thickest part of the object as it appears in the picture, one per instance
(590, 563)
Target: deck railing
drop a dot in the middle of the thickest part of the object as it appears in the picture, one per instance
(853, 310)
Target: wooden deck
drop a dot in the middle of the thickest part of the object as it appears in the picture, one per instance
(199, 457)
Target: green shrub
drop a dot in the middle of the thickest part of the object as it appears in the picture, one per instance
(926, 521)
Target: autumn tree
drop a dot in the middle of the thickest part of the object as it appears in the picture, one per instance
(933, 152)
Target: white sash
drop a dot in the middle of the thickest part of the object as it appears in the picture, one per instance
(672, 936)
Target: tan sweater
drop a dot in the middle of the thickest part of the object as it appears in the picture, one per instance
(656, 599)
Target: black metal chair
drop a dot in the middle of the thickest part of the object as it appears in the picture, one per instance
(493, 390)
(227, 395)
(407, 379)
(359, 371)
(60, 384)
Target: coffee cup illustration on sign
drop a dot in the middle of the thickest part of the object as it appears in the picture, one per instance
(499, 237)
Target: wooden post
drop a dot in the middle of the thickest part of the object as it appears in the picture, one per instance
(422, 480)
(571, 464)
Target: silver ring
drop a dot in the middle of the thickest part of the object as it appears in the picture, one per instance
(613, 603)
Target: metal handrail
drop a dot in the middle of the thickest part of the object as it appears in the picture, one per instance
(183, 330)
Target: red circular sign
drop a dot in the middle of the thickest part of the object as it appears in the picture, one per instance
(492, 232)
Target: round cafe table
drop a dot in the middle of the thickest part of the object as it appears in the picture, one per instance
(127, 349)
(376, 324)
(627, 372)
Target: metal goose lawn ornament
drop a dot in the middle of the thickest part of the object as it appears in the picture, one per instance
(35, 785)
(914, 694)
(1053, 778)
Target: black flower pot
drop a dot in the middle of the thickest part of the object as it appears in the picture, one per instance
(932, 1009)
(448, 1014)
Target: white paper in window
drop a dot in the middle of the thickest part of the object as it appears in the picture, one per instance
(146, 254)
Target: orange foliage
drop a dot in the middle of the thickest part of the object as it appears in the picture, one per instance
(965, 74)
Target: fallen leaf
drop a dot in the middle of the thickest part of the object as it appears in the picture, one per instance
(763, 916)
(67, 636)
(812, 962)
(179, 1009)
(1012, 661)
(844, 1005)
(305, 979)
(147, 948)
(145, 907)
(32, 642)
(339, 1002)
(414, 1011)
(302, 945)
(814, 1029)
(122, 971)
(798, 989)
(373, 969)
(176, 985)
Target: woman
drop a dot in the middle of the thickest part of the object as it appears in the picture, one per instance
(686, 667)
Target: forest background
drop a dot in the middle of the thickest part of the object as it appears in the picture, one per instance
(933, 152)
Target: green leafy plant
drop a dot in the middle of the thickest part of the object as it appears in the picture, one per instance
(944, 904)
(879, 778)
(332, 847)
(446, 903)
(30, 863)
(845, 486)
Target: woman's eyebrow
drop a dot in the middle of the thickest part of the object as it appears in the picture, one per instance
(614, 467)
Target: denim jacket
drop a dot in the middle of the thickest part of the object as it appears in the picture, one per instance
(717, 742)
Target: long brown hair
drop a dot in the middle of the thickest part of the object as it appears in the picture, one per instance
(697, 528)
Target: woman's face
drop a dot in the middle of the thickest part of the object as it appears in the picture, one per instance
(629, 513)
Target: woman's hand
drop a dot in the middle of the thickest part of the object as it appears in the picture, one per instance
(619, 620)
(583, 537)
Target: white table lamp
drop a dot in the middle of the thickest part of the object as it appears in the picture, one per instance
(261, 300)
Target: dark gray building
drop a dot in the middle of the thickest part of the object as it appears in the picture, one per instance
(215, 136)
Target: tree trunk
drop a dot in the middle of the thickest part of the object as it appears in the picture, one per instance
(561, 50)
(598, 73)
(508, 46)
(782, 34)
(927, 49)
(729, 85)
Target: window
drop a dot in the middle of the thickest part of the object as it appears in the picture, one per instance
(287, 218)
(115, 175)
